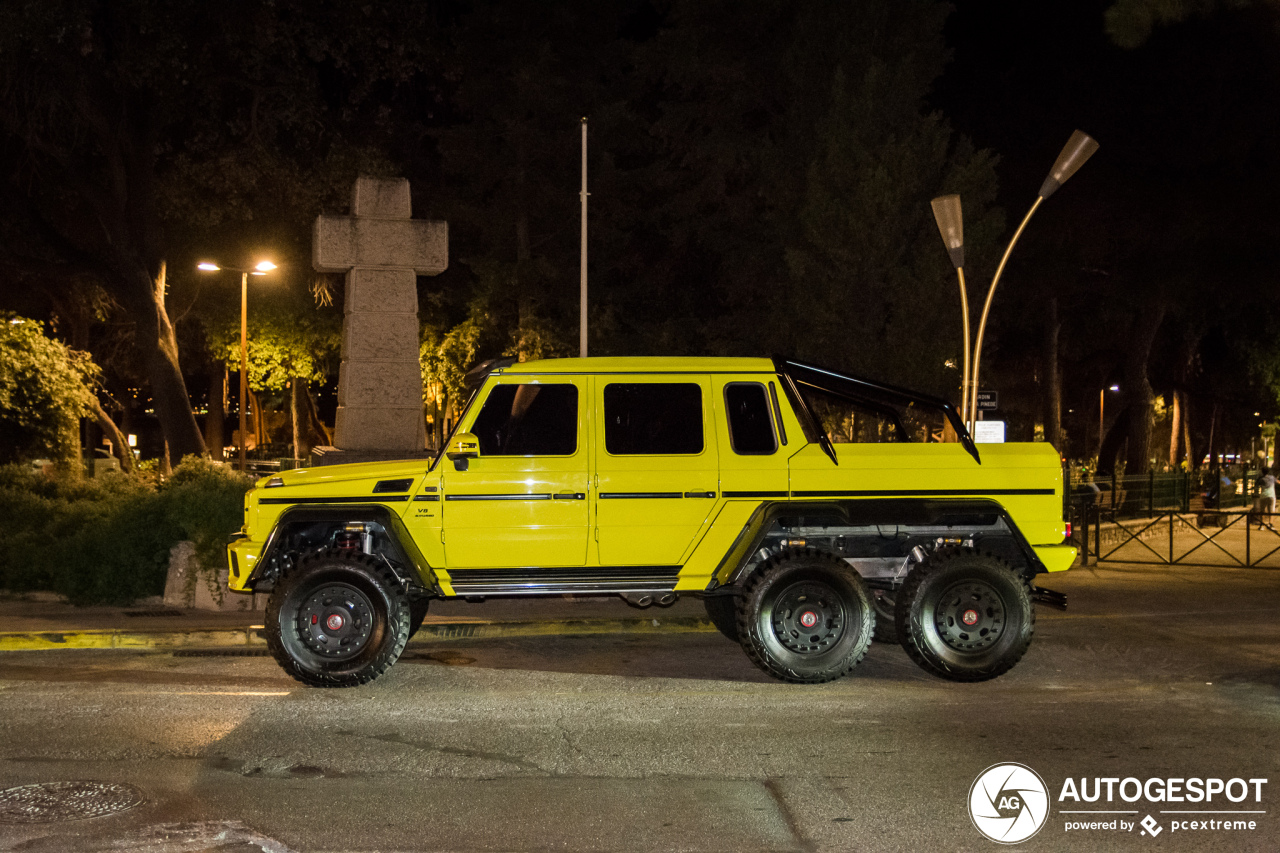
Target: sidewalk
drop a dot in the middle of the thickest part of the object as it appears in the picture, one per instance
(38, 622)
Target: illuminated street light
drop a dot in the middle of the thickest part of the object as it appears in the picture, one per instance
(1102, 401)
(1079, 148)
(261, 268)
(950, 218)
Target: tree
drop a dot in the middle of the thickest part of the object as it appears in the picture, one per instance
(107, 106)
(291, 343)
(44, 390)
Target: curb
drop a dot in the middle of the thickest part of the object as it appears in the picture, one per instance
(429, 633)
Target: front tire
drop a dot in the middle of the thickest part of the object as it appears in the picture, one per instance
(337, 620)
(965, 615)
(806, 617)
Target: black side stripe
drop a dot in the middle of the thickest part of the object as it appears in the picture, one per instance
(427, 498)
(355, 499)
(497, 497)
(916, 493)
(638, 495)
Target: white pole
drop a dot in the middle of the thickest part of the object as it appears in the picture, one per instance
(582, 308)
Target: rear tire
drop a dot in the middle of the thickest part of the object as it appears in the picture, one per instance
(337, 620)
(886, 618)
(806, 617)
(965, 615)
(722, 610)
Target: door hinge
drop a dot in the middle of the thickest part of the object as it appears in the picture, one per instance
(597, 534)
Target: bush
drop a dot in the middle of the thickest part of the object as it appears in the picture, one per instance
(107, 540)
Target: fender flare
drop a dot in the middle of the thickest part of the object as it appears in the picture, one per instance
(405, 549)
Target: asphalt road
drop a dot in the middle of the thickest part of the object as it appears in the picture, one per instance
(662, 742)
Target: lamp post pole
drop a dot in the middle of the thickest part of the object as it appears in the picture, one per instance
(946, 210)
(262, 268)
(244, 357)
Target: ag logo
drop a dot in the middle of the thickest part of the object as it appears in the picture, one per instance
(1008, 803)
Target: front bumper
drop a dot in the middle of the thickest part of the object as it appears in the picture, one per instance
(242, 557)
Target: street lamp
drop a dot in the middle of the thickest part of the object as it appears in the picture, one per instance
(261, 268)
(1102, 401)
(1079, 148)
(950, 218)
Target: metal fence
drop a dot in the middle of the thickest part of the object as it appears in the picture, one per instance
(1230, 537)
(1145, 495)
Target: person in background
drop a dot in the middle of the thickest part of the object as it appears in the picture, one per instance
(1266, 504)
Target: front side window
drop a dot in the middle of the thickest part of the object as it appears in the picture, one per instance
(528, 420)
(750, 421)
(653, 418)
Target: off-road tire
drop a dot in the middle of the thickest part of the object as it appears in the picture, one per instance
(782, 597)
(943, 593)
(886, 616)
(417, 612)
(337, 619)
(722, 610)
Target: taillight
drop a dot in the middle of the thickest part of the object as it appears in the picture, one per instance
(1068, 536)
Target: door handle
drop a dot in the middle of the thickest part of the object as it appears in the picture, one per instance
(699, 494)
(570, 496)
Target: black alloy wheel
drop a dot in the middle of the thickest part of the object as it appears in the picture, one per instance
(337, 619)
(806, 617)
(965, 615)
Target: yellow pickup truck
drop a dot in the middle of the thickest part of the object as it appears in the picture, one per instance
(808, 508)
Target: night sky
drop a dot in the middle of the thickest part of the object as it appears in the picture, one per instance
(760, 183)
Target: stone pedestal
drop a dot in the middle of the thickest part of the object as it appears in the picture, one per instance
(382, 251)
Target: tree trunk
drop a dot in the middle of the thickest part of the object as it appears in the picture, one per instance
(1193, 462)
(1138, 388)
(119, 443)
(1175, 429)
(159, 350)
(215, 421)
(317, 429)
(297, 407)
(1053, 386)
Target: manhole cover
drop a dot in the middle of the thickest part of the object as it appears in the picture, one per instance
(48, 802)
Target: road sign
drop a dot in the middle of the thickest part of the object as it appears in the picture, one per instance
(988, 401)
(988, 432)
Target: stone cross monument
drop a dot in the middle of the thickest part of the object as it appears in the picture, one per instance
(382, 251)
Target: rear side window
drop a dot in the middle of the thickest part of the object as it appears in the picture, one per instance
(750, 421)
(528, 420)
(652, 418)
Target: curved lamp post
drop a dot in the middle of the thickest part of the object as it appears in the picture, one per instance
(262, 268)
(1079, 147)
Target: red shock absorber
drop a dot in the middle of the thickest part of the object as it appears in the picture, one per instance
(347, 540)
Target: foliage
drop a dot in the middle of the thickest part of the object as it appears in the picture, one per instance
(107, 540)
(1129, 22)
(288, 337)
(44, 389)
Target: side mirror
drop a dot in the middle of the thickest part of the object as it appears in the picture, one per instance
(464, 446)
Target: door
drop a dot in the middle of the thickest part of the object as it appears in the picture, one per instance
(753, 439)
(522, 501)
(656, 475)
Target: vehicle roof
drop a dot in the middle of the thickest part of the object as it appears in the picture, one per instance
(642, 364)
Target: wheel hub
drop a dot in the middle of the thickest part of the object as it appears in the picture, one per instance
(970, 616)
(335, 621)
(808, 618)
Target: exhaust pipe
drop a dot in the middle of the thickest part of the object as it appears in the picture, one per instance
(638, 599)
(666, 599)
